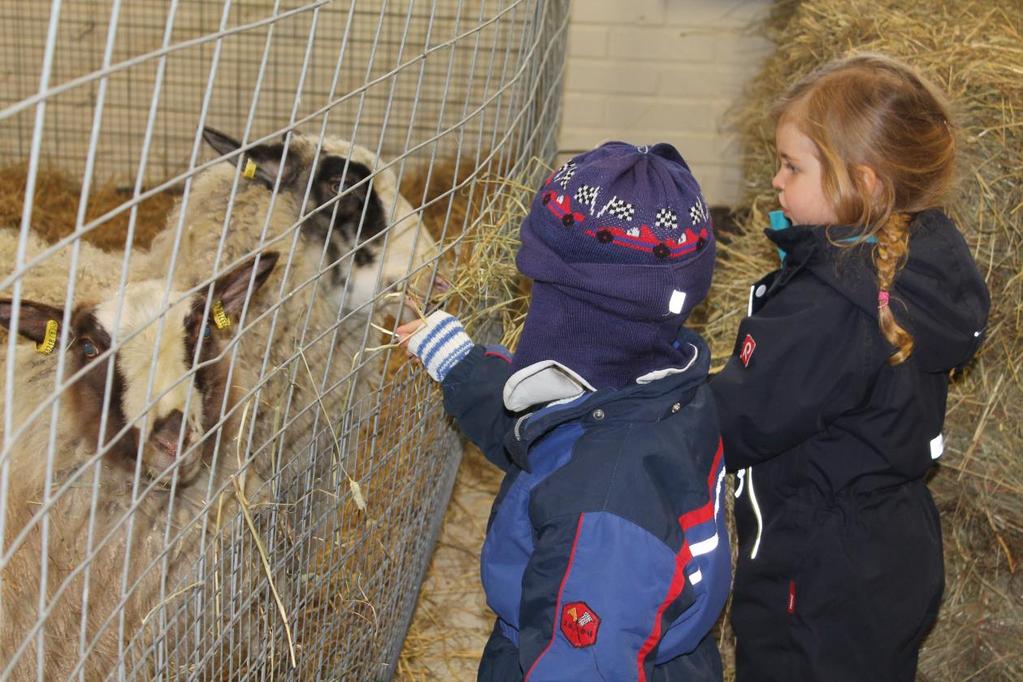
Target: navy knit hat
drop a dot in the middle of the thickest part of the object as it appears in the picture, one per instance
(619, 245)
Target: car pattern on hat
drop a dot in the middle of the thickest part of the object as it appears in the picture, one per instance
(642, 238)
(561, 207)
(620, 222)
(666, 242)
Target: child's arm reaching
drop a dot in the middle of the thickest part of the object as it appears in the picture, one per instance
(471, 376)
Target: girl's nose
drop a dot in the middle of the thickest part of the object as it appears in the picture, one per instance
(776, 181)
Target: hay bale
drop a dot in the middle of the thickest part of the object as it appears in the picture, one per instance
(974, 50)
(55, 208)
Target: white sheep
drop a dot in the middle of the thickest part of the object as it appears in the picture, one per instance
(75, 511)
(352, 238)
(355, 231)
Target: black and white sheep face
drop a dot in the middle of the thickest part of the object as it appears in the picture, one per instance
(347, 208)
(166, 386)
(167, 419)
(343, 203)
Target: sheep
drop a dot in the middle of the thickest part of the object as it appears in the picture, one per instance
(340, 260)
(91, 495)
(351, 202)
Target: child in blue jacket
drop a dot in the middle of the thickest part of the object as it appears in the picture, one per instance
(606, 555)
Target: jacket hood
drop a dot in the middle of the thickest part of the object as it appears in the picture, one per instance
(939, 296)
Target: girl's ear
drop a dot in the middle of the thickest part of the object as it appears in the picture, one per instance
(867, 178)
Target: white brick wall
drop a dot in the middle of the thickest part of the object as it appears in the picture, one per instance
(663, 70)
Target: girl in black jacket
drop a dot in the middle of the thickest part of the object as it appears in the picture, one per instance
(832, 405)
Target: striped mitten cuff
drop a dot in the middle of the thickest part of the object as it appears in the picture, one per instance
(440, 344)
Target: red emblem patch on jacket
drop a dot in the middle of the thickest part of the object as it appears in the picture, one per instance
(579, 624)
(746, 352)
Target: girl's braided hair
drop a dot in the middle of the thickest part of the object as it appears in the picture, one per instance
(869, 111)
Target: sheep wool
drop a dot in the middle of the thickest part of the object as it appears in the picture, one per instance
(91, 505)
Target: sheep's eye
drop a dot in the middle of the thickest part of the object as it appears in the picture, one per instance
(335, 185)
(89, 348)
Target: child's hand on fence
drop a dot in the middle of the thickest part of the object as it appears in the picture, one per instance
(405, 331)
(439, 342)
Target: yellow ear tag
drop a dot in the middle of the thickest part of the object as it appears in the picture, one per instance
(50, 340)
(250, 169)
(220, 318)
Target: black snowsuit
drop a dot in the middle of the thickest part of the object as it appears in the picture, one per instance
(840, 569)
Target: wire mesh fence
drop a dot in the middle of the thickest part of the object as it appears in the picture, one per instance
(214, 465)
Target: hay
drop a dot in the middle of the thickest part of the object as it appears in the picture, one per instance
(452, 622)
(974, 50)
(55, 208)
(444, 192)
(474, 216)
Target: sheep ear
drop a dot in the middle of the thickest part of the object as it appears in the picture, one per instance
(262, 162)
(32, 318)
(220, 142)
(232, 288)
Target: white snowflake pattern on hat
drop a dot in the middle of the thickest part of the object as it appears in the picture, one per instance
(666, 218)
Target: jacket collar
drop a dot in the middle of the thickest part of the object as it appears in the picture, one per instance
(543, 382)
(834, 254)
(571, 398)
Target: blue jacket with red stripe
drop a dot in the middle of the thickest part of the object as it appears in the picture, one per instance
(606, 552)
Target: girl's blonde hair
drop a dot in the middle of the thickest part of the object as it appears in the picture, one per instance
(869, 110)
